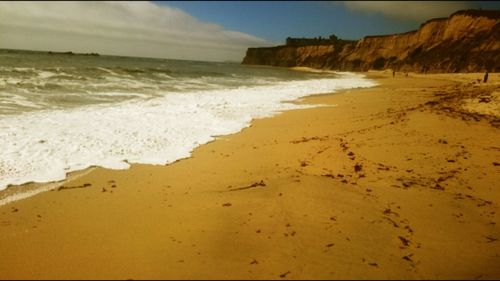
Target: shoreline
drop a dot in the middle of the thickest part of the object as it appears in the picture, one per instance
(15, 192)
(383, 185)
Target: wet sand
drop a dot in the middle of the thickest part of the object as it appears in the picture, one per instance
(395, 181)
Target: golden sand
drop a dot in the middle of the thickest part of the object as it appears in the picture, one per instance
(396, 181)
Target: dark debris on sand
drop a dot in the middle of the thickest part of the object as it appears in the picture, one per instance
(255, 184)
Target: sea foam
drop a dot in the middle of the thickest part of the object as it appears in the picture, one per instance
(44, 146)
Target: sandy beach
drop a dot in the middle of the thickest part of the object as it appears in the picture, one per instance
(395, 181)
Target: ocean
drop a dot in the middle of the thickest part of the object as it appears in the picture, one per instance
(61, 113)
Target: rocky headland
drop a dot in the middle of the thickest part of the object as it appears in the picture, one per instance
(466, 41)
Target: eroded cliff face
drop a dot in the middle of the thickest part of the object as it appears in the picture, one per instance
(288, 56)
(467, 41)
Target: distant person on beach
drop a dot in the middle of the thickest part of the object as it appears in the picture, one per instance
(485, 77)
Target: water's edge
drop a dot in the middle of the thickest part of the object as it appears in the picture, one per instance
(22, 191)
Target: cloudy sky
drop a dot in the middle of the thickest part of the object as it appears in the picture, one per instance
(211, 30)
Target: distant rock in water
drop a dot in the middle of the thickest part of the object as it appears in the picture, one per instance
(72, 54)
(467, 41)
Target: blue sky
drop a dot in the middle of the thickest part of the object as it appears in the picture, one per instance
(275, 20)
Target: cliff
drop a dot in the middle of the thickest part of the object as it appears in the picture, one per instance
(467, 41)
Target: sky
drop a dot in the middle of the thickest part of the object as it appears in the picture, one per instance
(205, 30)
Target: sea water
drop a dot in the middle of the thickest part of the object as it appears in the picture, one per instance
(61, 113)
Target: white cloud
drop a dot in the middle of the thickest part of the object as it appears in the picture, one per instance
(417, 11)
(122, 28)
